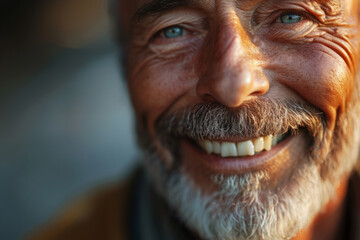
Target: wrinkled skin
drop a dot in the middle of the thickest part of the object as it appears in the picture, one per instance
(232, 52)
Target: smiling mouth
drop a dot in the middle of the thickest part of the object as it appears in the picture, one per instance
(241, 149)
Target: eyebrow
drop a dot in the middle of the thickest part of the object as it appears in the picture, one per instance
(156, 7)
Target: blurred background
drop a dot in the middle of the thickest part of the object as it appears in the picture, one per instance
(65, 121)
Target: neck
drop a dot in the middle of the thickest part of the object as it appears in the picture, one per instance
(327, 224)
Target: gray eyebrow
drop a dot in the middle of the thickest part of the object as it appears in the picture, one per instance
(156, 7)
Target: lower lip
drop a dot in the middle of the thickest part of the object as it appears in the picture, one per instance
(216, 163)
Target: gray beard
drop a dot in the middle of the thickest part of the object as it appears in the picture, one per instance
(241, 208)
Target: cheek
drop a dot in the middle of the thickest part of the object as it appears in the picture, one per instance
(157, 84)
(319, 78)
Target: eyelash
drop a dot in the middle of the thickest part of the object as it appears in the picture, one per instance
(304, 16)
(161, 33)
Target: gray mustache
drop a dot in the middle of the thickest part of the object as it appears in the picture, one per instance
(254, 118)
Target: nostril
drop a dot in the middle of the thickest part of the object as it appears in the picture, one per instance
(258, 93)
(207, 97)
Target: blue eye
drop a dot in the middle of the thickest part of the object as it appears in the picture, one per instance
(290, 18)
(173, 32)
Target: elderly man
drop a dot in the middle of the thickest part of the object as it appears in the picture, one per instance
(246, 114)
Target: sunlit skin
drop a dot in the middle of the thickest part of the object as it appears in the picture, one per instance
(231, 52)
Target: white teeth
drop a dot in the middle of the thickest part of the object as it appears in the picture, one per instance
(228, 149)
(216, 147)
(267, 142)
(245, 148)
(259, 144)
(239, 149)
(208, 146)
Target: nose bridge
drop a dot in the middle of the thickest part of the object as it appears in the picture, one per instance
(229, 74)
(228, 29)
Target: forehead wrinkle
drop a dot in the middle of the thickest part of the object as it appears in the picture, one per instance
(155, 7)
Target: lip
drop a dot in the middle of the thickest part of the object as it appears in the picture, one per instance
(263, 160)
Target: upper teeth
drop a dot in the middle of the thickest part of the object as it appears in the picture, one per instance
(245, 148)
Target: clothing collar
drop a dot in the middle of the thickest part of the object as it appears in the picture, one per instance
(352, 209)
(151, 218)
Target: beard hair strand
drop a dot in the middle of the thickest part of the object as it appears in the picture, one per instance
(241, 208)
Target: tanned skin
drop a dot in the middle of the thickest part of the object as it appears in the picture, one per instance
(236, 51)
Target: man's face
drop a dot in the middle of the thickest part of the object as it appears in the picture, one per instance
(246, 91)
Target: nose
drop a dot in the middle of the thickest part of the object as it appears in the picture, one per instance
(230, 73)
